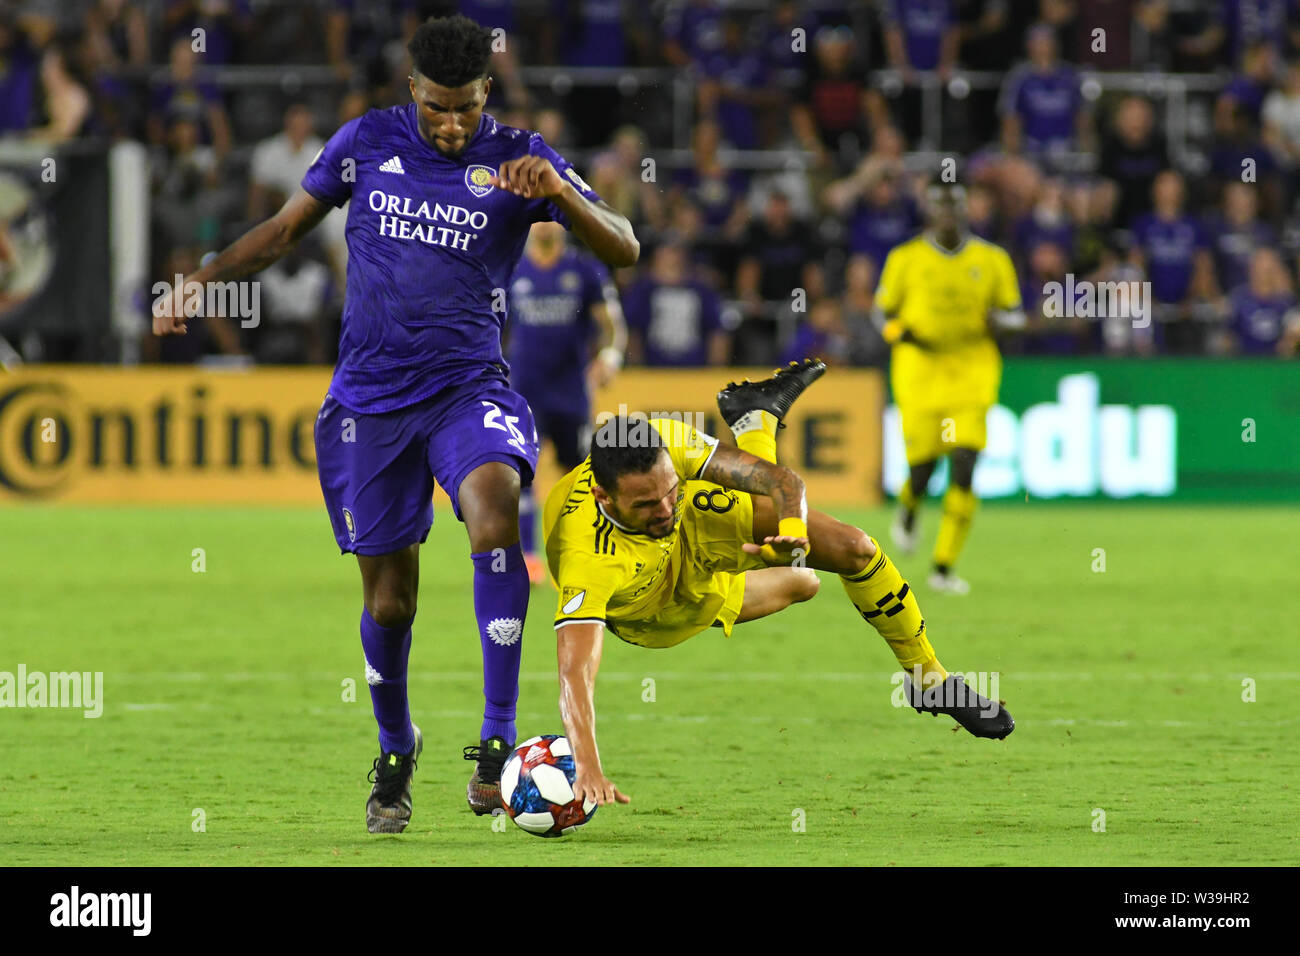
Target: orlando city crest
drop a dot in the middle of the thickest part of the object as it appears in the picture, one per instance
(478, 179)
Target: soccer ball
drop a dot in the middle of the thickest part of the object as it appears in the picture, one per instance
(537, 788)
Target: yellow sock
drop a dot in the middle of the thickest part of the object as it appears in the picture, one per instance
(958, 509)
(756, 433)
(906, 497)
(888, 604)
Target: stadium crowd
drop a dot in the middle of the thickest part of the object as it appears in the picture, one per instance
(763, 236)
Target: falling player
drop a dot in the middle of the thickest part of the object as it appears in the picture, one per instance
(442, 199)
(664, 532)
(940, 298)
(560, 300)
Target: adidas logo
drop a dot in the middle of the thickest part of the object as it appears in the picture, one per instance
(393, 165)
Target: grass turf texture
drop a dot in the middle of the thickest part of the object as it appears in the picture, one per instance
(224, 692)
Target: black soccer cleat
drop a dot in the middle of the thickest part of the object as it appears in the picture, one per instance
(979, 715)
(775, 394)
(484, 790)
(388, 810)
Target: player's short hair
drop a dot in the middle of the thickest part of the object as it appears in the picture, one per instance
(623, 446)
(451, 51)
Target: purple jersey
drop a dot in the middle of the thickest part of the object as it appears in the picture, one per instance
(1170, 247)
(430, 241)
(676, 321)
(1233, 247)
(923, 23)
(592, 32)
(1257, 320)
(874, 230)
(1047, 104)
(550, 330)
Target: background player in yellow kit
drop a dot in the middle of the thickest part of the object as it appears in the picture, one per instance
(663, 532)
(940, 298)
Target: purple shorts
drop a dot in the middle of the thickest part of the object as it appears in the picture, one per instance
(377, 472)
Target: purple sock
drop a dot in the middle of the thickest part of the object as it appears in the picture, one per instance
(527, 520)
(500, 604)
(387, 649)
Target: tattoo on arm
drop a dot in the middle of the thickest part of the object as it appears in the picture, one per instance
(733, 468)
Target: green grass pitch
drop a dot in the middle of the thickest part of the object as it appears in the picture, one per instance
(224, 693)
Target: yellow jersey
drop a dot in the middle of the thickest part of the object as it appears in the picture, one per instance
(605, 572)
(944, 298)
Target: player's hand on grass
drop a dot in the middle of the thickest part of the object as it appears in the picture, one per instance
(596, 786)
(780, 550)
(532, 177)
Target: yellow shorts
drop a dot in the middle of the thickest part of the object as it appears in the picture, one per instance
(929, 434)
(710, 585)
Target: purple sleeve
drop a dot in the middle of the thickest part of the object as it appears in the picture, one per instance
(636, 304)
(334, 170)
(1009, 101)
(544, 209)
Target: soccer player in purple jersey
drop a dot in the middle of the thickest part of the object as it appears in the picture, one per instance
(566, 338)
(442, 198)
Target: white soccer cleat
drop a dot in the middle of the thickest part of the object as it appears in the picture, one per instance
(904, 540)
(948, 583)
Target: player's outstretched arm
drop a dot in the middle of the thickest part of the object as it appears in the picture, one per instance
(733, 468)
(253, 251)
(604, 230)
(579, 645)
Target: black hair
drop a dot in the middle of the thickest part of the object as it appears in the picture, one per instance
(451, 51)
(623, 446)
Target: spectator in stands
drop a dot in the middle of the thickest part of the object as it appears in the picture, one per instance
(1239, 155)
(186, 96)
(66, 101)
(1046, 333)
(296, 299)
(920, 35)
(820, 334)
(672, 318)
(1172, 249)
(225, 25)
(879, 211)
(619, 173)
(1238, 233)
(1260, 308)
(836, 111)
(1121, 332)
(982, 213)
(19, 77)
(711, 184)
(1127, 26)
(279, 163)
(1047, 222)
(118, 30)
(1281, 124)
(776, 38)
(857, 303)
(692, 29)
(1131, 157)
(780, 255)
(1236, 24)
(1247, 89)
(1041, 105)
(732, 88)
(189, 199)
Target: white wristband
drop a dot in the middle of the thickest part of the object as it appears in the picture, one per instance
(611, 356)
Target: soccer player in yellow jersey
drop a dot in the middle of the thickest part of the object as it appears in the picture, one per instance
(664, 532)
(940, 298)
